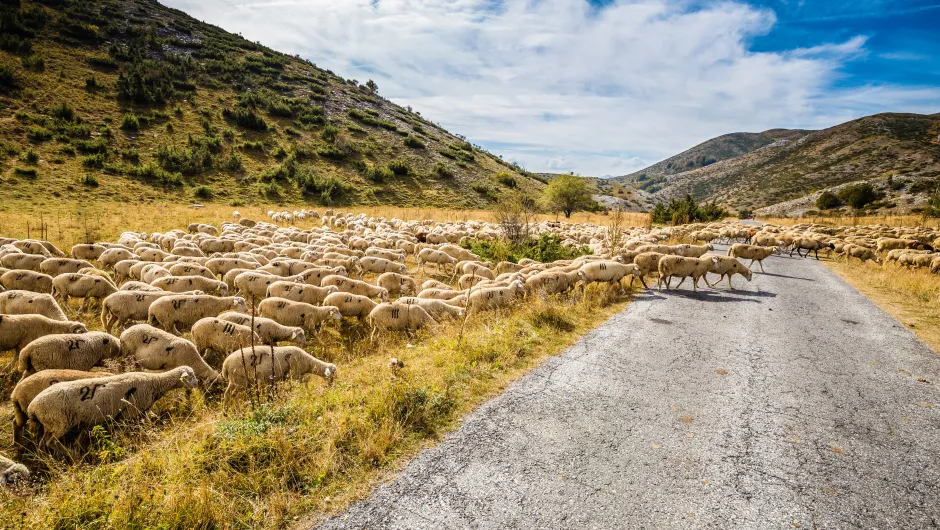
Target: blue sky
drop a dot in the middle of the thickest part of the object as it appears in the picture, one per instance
(606, 87)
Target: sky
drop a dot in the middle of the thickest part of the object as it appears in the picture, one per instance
(607, 87)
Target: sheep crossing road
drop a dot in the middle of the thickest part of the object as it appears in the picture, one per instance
(792, 401)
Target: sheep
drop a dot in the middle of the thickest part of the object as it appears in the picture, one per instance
(397, 284)
(190, 269)
(391, 255)
(66, 406)
(552, 281)
(28, 388)
(122, 270)
(683, 267)
(123, 307)
(57, 266)
(269, 331)
(32, 246)
(153, 272)
(182, 311)
(434, 284)
(22, 261)
(222, 336)
(379, 265)
(726, 266)
(439, 294)
(647, 263)
(438, 309)
(27, 280)
(439, 258)
(751, 252)
(18, 302)
(88, 251)
(810, 245)
(254, 284)
(16, 331)
(884, 244)
(350, 305)
(11, 472)
(268, 365)
(398, 317)
(156, 349)
(866, 254)
(110, 257)
(68, 350)
(298, 314)
(219, 266)
(359, 287)
(299, 292)
(469, 280)
(458, 253)
(495, 297)
(693, 251)
(611, 272)
(139, 286)
(84, 286)
(315, 275)
(181, 284)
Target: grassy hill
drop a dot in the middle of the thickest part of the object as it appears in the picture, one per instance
(133, 101)
(898, 154)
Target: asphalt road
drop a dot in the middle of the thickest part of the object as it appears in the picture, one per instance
(792, 402)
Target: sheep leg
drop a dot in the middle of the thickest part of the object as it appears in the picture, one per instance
(641, 281)
(729, 283)
(761, 263)
(816, 251)
(680, 283)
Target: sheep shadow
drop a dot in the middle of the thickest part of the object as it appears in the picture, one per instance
(785, 276)
(711, 296)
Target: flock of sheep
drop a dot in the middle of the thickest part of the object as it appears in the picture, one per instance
(255, 292)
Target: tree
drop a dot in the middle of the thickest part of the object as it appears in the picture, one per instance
(568, 194)
(372, 86)
(827, 201)
(859, 195)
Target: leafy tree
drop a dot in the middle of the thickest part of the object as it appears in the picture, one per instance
(859, 195)
(568, 194)
(686, 210)
(827, 201)
(372, 86)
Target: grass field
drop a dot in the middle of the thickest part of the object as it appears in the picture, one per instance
(889, 220)
(299, 452)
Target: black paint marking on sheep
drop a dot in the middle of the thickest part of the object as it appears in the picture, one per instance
(88, 392)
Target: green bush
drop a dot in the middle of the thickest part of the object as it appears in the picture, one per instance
(399, 166)
(271, 190)
(378, 174)
(686, 210)
(546, 248)
(507, 180)
(130, 122)
(29, 173)
(91, 83)
(96, 160)
(34, 63)
(30, 157)
(90, 180)
(327, 188)
(859, 195)
(8, 79)
(442, 171)
(62, 111)
(827, 201)
(413, 142)
(246, 118)
(203, 192)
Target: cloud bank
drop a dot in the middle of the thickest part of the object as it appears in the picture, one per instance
(563, 85)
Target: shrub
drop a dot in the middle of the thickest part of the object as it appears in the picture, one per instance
(507, 180)
(153, 174)
(686, 210)
(91, 83)
(332, 152)
(90, 180)
(413, 142)
(252, 145)
(448, 154)
(246, 118)
(30, 157)
(329, 133)
(62, 111)
(271, 190)
(96, 160)
(378, 175)
(29, 173)
(130, 122)
(827, 201)
(327, 188)
(399, 166)
(7, 79)
(859, 195)
(38, 134)
(34, 63)
(545, 248)
(442, 171)
(233, 162)
(203, 192)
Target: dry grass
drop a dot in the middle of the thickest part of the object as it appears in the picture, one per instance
(912, 297)
(304, 451)
(890, 220)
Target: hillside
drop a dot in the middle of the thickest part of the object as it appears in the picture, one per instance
(130, 100)
(715, 150)
(897, 153)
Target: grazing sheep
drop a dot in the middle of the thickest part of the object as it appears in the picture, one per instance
(727, 267)
(298, 314)
(267, 365)
(156, 349)
(437, 257)
(182, 284)
(84, 286)
(219, 266)
(359, 287)
(27, 280)
(269, 331)
(299, 292)
(183, 310)
(379, 265)
(434, 284)
(397, 284)
(440, 294)
(351, 305)
(884, 244)
(32, 246)
(683, 267)
(751, 252)
(552, 281)
(495, 297)
(124, 307)
(30, 387)
(398, 317)
(469, 280)
(438, 309)
(57, 266)
(22, 261)
(30, 303)
(222, 336)
(190, 269)
(140, 286)
(254, 284)
(110, 257)
(647, 263)
(11, 472)
(68, 351)
(16, 331)
(153, 272)
(63, 407)
(866, 254)
(88, 251)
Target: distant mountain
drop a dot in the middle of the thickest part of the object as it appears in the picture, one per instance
(715, 150)
(898, 153)
(128, 100)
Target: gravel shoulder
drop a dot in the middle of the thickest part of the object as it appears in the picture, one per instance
(792, 401)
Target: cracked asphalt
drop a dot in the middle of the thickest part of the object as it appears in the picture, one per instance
(790, 402)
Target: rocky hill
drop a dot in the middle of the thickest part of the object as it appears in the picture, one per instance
(129, 100)
(897, 153)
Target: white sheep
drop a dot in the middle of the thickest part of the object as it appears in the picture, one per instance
(182, 284)
(26, 280)
(725, 266)
(16, 331)
(156, 349)
(357, 287)
(495, 297)
(28, 388)
(683, 267)
(397, 284)
(299, 314)
(11, 472)
(68, 351)
(351, 305)
(124, 307)
(56, 266)
(438, 309)
(267, 365)
(84, 286)
(752, 252)
(213, 333)
(181, 311)
(398, 317)
(71, 405)
(269, 331)
(30, 303)
(299, 292)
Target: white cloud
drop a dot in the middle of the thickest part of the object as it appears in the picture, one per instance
(559, 85)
